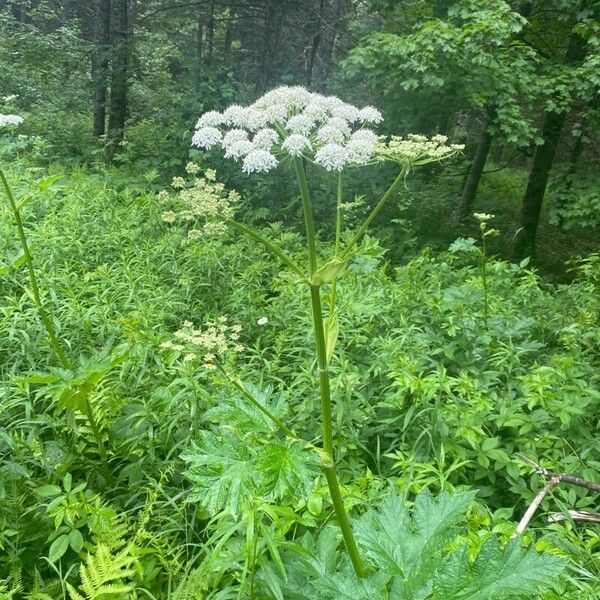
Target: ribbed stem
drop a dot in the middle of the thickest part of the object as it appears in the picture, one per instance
(325, 391)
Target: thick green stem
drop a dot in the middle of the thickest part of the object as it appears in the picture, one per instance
(325, 391)
(363, 228)
(326, 415)
(33, 278)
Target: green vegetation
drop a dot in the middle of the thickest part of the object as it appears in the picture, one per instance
(335, 366)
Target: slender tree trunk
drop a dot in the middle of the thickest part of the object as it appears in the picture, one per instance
(475, 172)
(210, 33)
(118, 77)
(229, 29)
(316, 42)
(100, 64)
(542, 164)
(271, 28)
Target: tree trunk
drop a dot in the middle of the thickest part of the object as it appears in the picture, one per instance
(338, 23)
(316, 41)
(210, 32)
(100, 65)
(118, 77)
(475, 172)
(542, 163)
(271, 32)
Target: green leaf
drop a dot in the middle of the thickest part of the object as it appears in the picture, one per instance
(497, 573)
(58, 547)
(45, 183)
(47, 491)
(76, 540)
(332, 329)
(329, 271)
(221, 471)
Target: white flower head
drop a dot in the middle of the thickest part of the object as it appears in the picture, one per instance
(265, 139)
(262, 321)
(259, 161)
(207, 137)
(361, 146)
(10, 120)
(233, 136)
(239, 149)
(295, 144)
(212, 118)
(292, 120)
(302, 124)
(332, 157)
(369, 114)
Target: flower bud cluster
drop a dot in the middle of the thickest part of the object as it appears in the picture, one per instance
(205, 203)
(212, 342)
(414, 149)
(291, 121)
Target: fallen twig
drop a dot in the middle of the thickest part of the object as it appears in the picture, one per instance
(554, 480)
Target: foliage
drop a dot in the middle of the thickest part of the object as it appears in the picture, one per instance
(419, 555)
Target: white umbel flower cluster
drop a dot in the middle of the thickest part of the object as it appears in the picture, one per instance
(295, 122)
(10, 120)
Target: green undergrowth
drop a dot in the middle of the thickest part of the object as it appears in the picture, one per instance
(199, 498)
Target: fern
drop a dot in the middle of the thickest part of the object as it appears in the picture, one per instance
(105, 575)
(411, 558)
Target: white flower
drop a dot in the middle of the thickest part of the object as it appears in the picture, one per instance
(259, 161)
(346, 111)
(10, 120)
(192, 168)
(295, 144)
(234, 115)
(483, 217)
(369, 114)
(233, 136)
(239, 149)
(265, 138)
(335, 130)
(301, 124)
(212, 118)
(361, 146)
(332, 157)
(207, 137)
(262, 321)
(254, 119)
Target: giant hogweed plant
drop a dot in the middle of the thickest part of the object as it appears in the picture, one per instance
(290, 126)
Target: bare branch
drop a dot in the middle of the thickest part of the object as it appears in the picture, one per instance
(554, 481)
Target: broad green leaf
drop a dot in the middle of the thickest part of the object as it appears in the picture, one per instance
(329, 271)
(58, 547)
